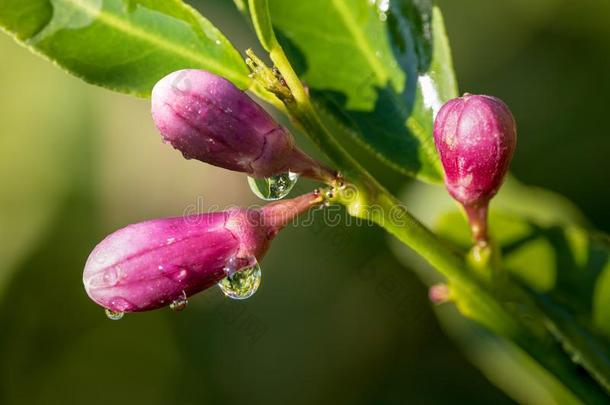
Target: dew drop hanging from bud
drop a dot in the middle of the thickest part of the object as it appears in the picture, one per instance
(157, 263)
(241, 284)
(114, 315)
(275, 187)
(179, 303)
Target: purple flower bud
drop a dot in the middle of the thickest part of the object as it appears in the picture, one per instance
(150, 264)
(209, 119)
(476, 137)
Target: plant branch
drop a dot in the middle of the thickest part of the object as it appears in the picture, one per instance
(364, 197)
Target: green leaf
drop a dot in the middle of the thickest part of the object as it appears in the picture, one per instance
(377, 75)
(566, 273)
(262, 23)
(124, 45)
(546, 248)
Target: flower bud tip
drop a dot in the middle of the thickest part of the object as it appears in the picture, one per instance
(207, 118)
(475, 136)
(163, 262)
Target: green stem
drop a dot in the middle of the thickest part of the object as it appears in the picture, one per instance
(293, 82)
(365, 198)
(372, 197)
(370, 201)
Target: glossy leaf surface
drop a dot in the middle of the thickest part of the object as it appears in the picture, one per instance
(124, 45)
(379, 71)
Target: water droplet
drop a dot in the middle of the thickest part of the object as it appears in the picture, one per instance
(273, 188)
(179, 303)
(218, 42)
(382, 6)
(179, 275)
(170, 240)
(241, 284)
(111, 277)
(176, 273)
(121, 304)
(231, 266)
(113, 315)
(107, 278)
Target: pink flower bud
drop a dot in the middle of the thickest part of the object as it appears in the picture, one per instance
(151, 264)
(475, 137)
(439, 293)
(209, 119)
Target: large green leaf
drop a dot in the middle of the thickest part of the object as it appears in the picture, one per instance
(124, 45)
(548, 249)
(378, 73)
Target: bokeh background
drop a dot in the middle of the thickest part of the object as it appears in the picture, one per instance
(337, 318)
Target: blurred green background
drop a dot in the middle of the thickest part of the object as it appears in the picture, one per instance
(337, 319)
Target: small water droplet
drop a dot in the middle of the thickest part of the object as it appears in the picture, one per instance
(170, 240)
(382, 7)
(218, 42)
(231, 266)
(121, 304)
(107, 278)
(241, 284)
(179, 275)
(113, 315)
(176, 273)
(111, 277)
(179, 303)
(273, 188)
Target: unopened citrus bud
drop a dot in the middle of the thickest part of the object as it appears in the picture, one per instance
(155, 263)
(475, 136)
(207, 118)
